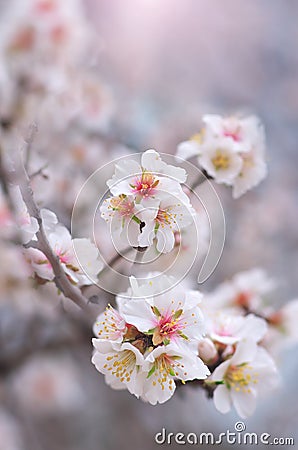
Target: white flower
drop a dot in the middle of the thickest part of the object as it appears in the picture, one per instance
(154, 284)
(152, 179)
(148, 202)
(49, 220)
(246, 291)
(250, 372)
(120, 212)
(167, 364)
(28, 225)
(110, 325)
(190, 244)
(283, 332)
(229, 329)
(79, 257)
(95, 105)
(190, 148)
(253, 171)
(52, 383)
(150, 342)
(220, 160)
(173, 316)
(122, 367)
(162, 222)
(231, 150)
(241, 132)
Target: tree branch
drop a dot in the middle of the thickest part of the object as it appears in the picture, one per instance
(21, 178)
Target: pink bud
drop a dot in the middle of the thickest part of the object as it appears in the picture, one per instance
(207, 350)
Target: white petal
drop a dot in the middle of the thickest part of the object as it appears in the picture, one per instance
(245, 352)
(139, 314)
(146, 237)
(188, 149)
(245, 403)
(222, 399)
(165, 239)
(253, 328)
(220, 371)
(152, 162)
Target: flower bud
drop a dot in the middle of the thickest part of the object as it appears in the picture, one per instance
(207, 350)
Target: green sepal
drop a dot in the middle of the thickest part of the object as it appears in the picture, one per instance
(151, 371)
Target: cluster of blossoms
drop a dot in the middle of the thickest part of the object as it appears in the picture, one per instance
(159, 336)
(231, 150)
(50, 75)
(150, 342)
(249, 292)
(148, 202)
(239, 341)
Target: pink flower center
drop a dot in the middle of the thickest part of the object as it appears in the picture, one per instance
(243, 299)
(169, 325)
(122, 205)
(163, 217)
(64, 258)
(233, 134)
(145, 184)
(223, 331)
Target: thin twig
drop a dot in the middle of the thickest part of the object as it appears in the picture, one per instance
(200, 180)
(28, 144)
(115, 259)
(61, 280)
(39, 172)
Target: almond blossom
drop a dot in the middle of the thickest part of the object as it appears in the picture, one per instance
(28, 225)
(167, 364)
(120, 213)
(282, 332)
(150, 342)
(162, 222)
(249, 373)
(149, 194)
(122, 366)
(240, 131)
(110, 325)
(229, 329)
(231, 150)
(247, 291)
(220, 160)
(170, 317)
(152, 179)
(79, 257)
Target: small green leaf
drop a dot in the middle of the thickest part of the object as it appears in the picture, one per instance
(151, 331)
(151, 371)
(166, 341)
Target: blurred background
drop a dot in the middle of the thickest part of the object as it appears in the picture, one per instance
(153, 68)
